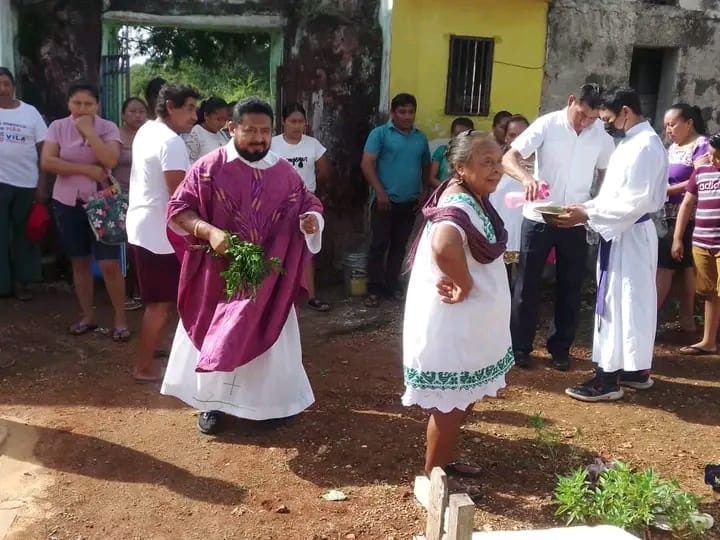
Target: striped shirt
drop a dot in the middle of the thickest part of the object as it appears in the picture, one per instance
(705, 185)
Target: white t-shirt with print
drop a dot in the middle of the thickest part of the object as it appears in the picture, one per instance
(21, 129)
(200, 142)
(156, 150)
(302, 156)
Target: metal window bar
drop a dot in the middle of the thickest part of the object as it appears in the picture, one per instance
(469, 76)
(115, 85)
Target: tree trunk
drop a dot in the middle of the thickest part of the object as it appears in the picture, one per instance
(332, 66)
(59, 43)
(333, 57)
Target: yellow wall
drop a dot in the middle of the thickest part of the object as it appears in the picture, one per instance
(420, 47)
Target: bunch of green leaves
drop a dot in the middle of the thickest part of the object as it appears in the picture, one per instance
(247, 268)
(629, 499)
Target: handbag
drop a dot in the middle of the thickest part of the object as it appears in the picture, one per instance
(37, 223)
(106, 213)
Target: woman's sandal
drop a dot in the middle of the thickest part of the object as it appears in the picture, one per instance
(7, 363)
(81, 327)
(318, 305)
(372, 300)
(143, 379)
(121, 335)
(462, 469)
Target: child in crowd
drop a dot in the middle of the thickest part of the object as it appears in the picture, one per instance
(439, 169)
(703, 189)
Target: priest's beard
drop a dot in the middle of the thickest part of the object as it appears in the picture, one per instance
(251, 156)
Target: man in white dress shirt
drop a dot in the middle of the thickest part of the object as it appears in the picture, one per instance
(570, 147)
(626, 309)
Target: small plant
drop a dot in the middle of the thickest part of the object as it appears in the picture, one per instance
(632, 500)
(247, 269)
(548, 436)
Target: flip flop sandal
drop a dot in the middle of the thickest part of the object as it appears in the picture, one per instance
(80, 328)
(462, 469)
(121, 335)
(372, 300)
(133, 305)
(153, 380)
(7, 363)
(318, 305)
(692, 350)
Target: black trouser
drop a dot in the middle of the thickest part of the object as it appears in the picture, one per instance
(391, 231)
(570, 265)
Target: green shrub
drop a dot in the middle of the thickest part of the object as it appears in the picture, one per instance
(632, 500)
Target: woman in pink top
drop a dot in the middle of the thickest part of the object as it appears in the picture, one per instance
(80, 149)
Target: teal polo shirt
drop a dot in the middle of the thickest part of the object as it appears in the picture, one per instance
(400, 160)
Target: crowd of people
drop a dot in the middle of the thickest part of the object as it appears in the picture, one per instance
(196, 170)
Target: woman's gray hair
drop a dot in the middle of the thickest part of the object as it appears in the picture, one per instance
(460, 147)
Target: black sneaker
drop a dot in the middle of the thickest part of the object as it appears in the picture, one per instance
(209, 422)
(599, 388)
(639, 380)
(522, 359)
(561, 362)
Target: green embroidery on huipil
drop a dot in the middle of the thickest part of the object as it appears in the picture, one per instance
(458, 380)
(488, 230)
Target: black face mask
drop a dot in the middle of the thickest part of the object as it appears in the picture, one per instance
(614, 132)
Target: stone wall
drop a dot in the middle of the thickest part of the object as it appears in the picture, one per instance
(593, 41)
(197, 7)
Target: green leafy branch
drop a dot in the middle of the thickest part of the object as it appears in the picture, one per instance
(247, 268)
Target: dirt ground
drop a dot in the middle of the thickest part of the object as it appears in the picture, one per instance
(92, 455)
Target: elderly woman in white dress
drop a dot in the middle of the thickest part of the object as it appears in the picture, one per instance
(456, 336)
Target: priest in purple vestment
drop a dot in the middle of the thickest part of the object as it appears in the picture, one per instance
(242, 357)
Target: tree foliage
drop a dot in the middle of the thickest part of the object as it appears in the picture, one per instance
(230, 85)
(172, 45)
(224, 64)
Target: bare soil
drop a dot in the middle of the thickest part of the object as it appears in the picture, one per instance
(119, 461)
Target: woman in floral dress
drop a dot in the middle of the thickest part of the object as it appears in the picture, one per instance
(456, 337)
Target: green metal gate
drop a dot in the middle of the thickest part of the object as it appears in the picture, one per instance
(115, 74)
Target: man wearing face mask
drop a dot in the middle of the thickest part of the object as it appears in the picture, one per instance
(626, 312)
(570, 146)
(242, 357)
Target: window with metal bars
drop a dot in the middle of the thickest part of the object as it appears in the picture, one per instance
(469, 76)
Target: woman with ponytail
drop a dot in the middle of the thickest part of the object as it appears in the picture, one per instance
(685, 127)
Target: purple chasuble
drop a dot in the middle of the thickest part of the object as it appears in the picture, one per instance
(262, 206)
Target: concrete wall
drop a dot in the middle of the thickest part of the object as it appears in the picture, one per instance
(421, 31)
(593, 41)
